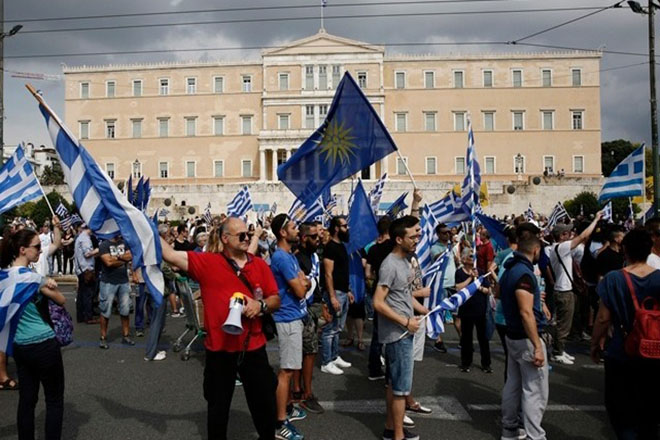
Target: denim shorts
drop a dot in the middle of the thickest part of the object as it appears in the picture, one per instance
(399, 366)
(107, 293)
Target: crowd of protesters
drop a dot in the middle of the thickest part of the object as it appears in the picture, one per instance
(571, 282)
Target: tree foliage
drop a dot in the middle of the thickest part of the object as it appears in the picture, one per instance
(613, 152)
(52, 175)
(588, 201)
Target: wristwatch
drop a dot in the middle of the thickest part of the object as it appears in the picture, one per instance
(264, 306)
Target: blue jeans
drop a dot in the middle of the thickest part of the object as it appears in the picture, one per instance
(330, 333)
(399, 366)
(142, 300)
(156, 328)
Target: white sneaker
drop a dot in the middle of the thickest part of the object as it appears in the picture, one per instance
(568, 356)
(331, 368)
(342, 363)
(382, 361)
(161, 355)
(408, 422)
(561, 360)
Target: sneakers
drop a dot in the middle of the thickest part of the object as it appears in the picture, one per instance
(568, 356)
(176, 315)
(408, 422)
(311, 404)
(296, 414)
(418, 409)
(342, 363)
(388, 434)
(139, 333)
(487, 370)
(585, 336)
(160, 356)
(238, 383)
(519, 434)
(103, 343)
(440, 346)
(378, 376)
(288, 432)
(561, 359)
(126, 340)
(331, 368)
(463, 369)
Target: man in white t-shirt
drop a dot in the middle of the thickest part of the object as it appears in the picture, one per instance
(561, 260)
(50, 243)
(653, 227)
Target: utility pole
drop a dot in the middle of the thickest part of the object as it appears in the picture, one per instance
(654, 112)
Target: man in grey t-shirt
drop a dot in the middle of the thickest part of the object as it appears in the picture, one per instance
(394, 303)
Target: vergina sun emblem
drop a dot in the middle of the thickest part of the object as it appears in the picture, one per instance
(337, 143)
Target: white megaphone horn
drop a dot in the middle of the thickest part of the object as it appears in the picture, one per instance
(233, 323)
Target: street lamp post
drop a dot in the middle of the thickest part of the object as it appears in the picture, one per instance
(519, 170)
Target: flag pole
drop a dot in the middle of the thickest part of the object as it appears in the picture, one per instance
(44, 193)
(412, 179)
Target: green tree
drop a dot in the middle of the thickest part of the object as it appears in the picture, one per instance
(52, 175)
(613, 152)
(586, 201)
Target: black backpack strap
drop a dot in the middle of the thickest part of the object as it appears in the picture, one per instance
(239, 272)
(562, 264)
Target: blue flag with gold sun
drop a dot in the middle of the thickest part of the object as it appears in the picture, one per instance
(351, 138)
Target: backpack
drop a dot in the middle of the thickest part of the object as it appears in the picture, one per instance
(59, 319)
(644, 338)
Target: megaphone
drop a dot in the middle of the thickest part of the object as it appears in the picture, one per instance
(233, 323)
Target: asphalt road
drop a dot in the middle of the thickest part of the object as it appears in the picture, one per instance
(115, 394)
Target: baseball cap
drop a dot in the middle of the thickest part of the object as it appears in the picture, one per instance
(561, 228)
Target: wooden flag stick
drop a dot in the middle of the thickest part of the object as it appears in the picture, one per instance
(412, 179)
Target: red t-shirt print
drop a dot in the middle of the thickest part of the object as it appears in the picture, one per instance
(218, 283)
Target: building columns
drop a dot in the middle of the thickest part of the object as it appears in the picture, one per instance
(262, 165)
(274, 179)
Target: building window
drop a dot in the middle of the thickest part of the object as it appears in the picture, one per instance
(578, 164)
(549, 164)
(218, 168)
(110, 126)
(284, 81)
(110, 170)
(309, 77)
(401, 166)
(84, 129)
(429, 80)
(546, 74)
(459, 121)
(137, 127)
(323, 77)
(488, 78)
(309, 116)
(163, 127)
(283, 121)
(137, 169)
(218, 125)
(191, 86)
(281, 157)
(458, 79)
(137, 87)
(218, 84)
(164, 86)
(400, 121)
(336, 75)
(577, 119)
(431, 165)
(191, 126)
(246, 124)
(548, 119)
(362, 79)
(459, 164)
(519, 164)
(489, 121)
(517, 77)
(247, 83)
(429, 121)
(191, 166)
(164, 170)
(489, 162)
(84, 90)
(110, 89)
(246, 168)
(323, 111)
(400, 80)
(518, 120)
(576, 75)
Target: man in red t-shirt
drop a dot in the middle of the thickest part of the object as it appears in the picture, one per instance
(228, 354)
(485, 252)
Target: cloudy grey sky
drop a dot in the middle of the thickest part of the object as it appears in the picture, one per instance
(624, 91)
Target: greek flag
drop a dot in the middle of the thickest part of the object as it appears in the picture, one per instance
(300, 213)
(427, 224)
(448, 209)
(17, 285)
(529, 215)
(103, 207)
(241, 204)
(607, 212)
(627, 179)
(163, 212)
(207, 214)
(18, 182)
(65, 218)
(458, 299)
(331, 204)
(376, 193)
(434, 323)
(649, 214)
(313, 276)
(273, 208)
(472, 182)
(558, 213)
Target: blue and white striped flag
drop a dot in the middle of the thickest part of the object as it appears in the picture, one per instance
(65, 218)
(558, 213)
(300, 213)
(208, 218)
(331, 204)
(273, 208)
(75, 220)
(435, 322)
(18, 183)
(103, 207)
(458, 299)
(607, 212)
(427, 224)
(376, 193)
(17, 285)
(627, 179)
(163, 212)
(241, 204)
(529, 214)
(449, 209)
(472, 183)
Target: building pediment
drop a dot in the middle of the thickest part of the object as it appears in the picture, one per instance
(324, 43)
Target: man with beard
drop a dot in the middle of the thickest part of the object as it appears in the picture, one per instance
(393, 300)
(335, 268)
(309, 262)
(292, 286)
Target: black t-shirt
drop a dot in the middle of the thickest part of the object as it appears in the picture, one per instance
(185, 246)
(337, 253)
(476, 305)
(114, 275)
(377, 254)
(305, 262)
(609, 260)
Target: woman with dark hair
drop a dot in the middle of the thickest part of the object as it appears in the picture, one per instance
(35, 350)
(631, 384)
